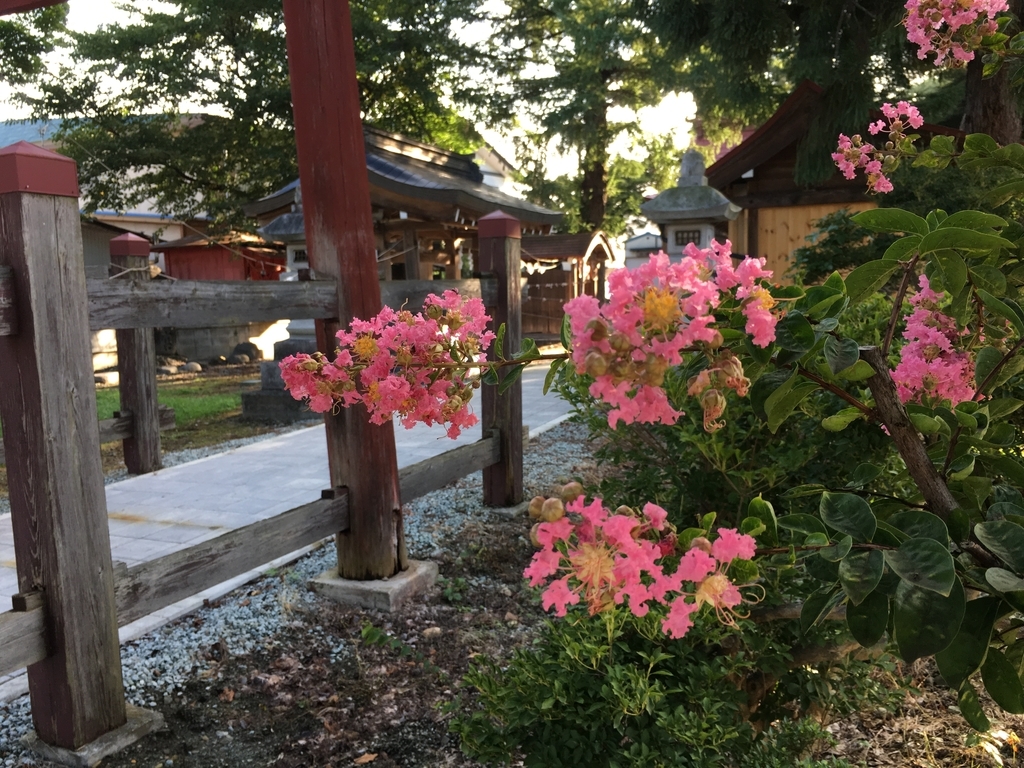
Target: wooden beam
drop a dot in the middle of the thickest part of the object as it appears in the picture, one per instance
(136, 365)
(55, 478)
(502, 415)
(411, 247)
(341, 244)
(8, 312)
(148, 587)
(121, 427)
(22, 639)
(207, 303)
(438, 471)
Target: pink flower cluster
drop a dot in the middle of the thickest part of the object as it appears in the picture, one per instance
(956, 27)
(930, 366)
(657, 312)
(853, 153)
(416, 366)
(611, 558)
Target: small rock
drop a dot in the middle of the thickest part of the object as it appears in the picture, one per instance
(192, 368)
(506, 592)
(223, 735)
(431, 632)
(166, 370)
(238, 360)
(511, 618)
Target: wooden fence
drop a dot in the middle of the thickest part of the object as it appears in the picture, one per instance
(63, 625)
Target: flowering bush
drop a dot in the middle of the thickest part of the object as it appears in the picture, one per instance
(951, 27)
(416, 366)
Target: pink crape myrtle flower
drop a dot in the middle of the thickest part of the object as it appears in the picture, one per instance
(657, 313)
(616, 558)
(930, 364)
(853, 153)
(951, 29)
(416, 367)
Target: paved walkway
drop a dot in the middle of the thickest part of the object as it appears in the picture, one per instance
(156, 514)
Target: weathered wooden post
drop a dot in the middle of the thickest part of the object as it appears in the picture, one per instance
(136, 365)
(51, 439)
(500, 256)
(341, 244)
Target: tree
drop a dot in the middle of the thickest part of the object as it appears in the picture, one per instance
(740, 59)
(190, 107)
(24, 38)
(566, 66)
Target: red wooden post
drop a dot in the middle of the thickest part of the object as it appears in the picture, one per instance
(136, 365)
(51, 440)
(500, 255)
(341, 244)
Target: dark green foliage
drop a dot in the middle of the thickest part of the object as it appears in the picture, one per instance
(191, 107)
(838, 243)
(24, 38)
(611, 690)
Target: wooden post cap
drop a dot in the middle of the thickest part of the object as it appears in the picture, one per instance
(19, 6)
(129, 245)
(25, 167)
(498, 224)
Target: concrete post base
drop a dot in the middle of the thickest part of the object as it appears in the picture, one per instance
(380, 594)
(141, 722)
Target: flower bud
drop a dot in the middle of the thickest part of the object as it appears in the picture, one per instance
(552, 510)
(654, 371)
(702, 544)
(598, 330)
(535, 507)
(717, 340)
(533, 536)
(434, 312)
(595, 364)
(620, 342)
(571, 492)
(626, 511)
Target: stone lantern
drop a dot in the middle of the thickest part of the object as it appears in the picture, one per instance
(691, 211)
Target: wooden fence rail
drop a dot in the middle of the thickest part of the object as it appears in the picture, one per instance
(208, 303)
(120, 428)
(142, 589)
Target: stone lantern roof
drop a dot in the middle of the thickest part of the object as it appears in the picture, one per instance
(691, 199)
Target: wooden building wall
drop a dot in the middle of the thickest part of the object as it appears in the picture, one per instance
(218, 264)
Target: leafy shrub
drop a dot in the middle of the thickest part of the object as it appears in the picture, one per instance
(838, 243)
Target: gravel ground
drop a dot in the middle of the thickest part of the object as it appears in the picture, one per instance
(157, 668)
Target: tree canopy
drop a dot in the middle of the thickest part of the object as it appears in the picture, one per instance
(24, 38)
(565, 67)
(190, 107)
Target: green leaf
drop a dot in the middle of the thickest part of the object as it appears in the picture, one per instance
(980, 142)
(763, 388)
(817, 607)
(988, 278)
(512, 374)
(924, 621)
(1005, 466)
(859, 371)
(489, 376)
(953, 267)
(849, 514)
(868, 278)
(1005, 540)
(863, 474)
(840, 354)
(926, 425)
(549, 379)
(973, 220)
(800, 523)
(1002, 580)
(1003, 406)
(781, 403)
(962, 239)
(837, 551)
(963, 657)
(925, 564)
(859, 573)
(499, 343)
(1004, 192)
(970, 708)
(764, 512)
(920, 525)
(892, 220)
(837, 422)
(528, 350)
(998, 307)
(565, 334)
(868, 619)
(1002, 682)
(743, 572)
(794, 333)
(752, 526)
(902, 248)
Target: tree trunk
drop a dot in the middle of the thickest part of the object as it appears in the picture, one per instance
(991, 106)
(594, 188)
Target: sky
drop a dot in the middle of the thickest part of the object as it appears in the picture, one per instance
(673, 115)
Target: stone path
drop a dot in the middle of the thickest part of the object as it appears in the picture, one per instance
(156, 514)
